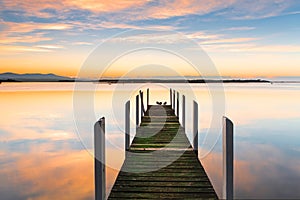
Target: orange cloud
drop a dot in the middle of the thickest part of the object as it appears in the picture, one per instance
(28, 38)
(184, 7)
(36, 8)
(203, 35)
(12, 27)
(103, 5)
(20, 32)
(20, 49)
(143, 10)
(33, 7)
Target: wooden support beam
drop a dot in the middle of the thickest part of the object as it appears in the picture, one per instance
(137, 107)
(195, 127)
(148, 98)
(174, 100)
(142, 104)
(127, 125)
(183, 111)
(99, 152)
(227, 158)
(171, 98)
(177, 108)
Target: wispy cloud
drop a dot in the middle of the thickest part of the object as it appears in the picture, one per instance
(151, 38)
(33, 38)
(82, 43)
(251, 48)
(13, 27)
(50, 46)
(32, 7)
(137, 10)
(273, 49)
(241, 28)
(203, 35)
(25, 37)
(204, 38)
(104, 5)
(21, 49)
(257, 9)
(228, 40)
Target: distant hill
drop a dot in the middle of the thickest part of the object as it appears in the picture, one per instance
(36, 77)
(13, 77)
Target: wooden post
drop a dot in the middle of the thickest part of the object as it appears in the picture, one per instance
(183, 111)
(195, 128)
(137, 110)
(227, 158)
(142, 103)
(127, 125)
(99, 145)
(177, 105)
(147, 98)
(174, 100)
(171, 98)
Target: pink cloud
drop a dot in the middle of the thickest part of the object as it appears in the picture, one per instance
(103, 5)
(185, 7)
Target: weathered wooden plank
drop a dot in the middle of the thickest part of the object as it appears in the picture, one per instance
(163, 183)
(152, 195)
(169, 189)
(163, 179)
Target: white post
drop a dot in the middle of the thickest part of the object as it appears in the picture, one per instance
(137, 110)
(183, 111)
(127, 125)
(171, 98)
(177, 105)
(142, 104)
(227, 158)
(147, 98)
(174, 100)
(195, 127)
(99, 145)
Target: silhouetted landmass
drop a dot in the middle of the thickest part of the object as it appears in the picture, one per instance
(36, 77)
(114, 81)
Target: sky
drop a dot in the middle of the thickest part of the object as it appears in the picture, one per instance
(242, 38)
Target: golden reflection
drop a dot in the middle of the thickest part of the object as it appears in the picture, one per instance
(52, 175)
(42, 171)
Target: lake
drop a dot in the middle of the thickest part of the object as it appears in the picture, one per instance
(46, 135)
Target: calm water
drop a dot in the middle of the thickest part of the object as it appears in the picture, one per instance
(46, 136)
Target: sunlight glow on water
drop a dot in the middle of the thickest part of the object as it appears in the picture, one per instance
(41, 155)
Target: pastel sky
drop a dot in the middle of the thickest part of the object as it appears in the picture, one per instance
(244, 38)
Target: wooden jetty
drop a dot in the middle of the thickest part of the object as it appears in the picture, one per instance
(161, 163)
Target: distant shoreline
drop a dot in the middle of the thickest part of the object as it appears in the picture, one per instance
(116, 81)
(9, 77)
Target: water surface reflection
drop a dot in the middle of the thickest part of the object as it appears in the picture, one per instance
(41, 156)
